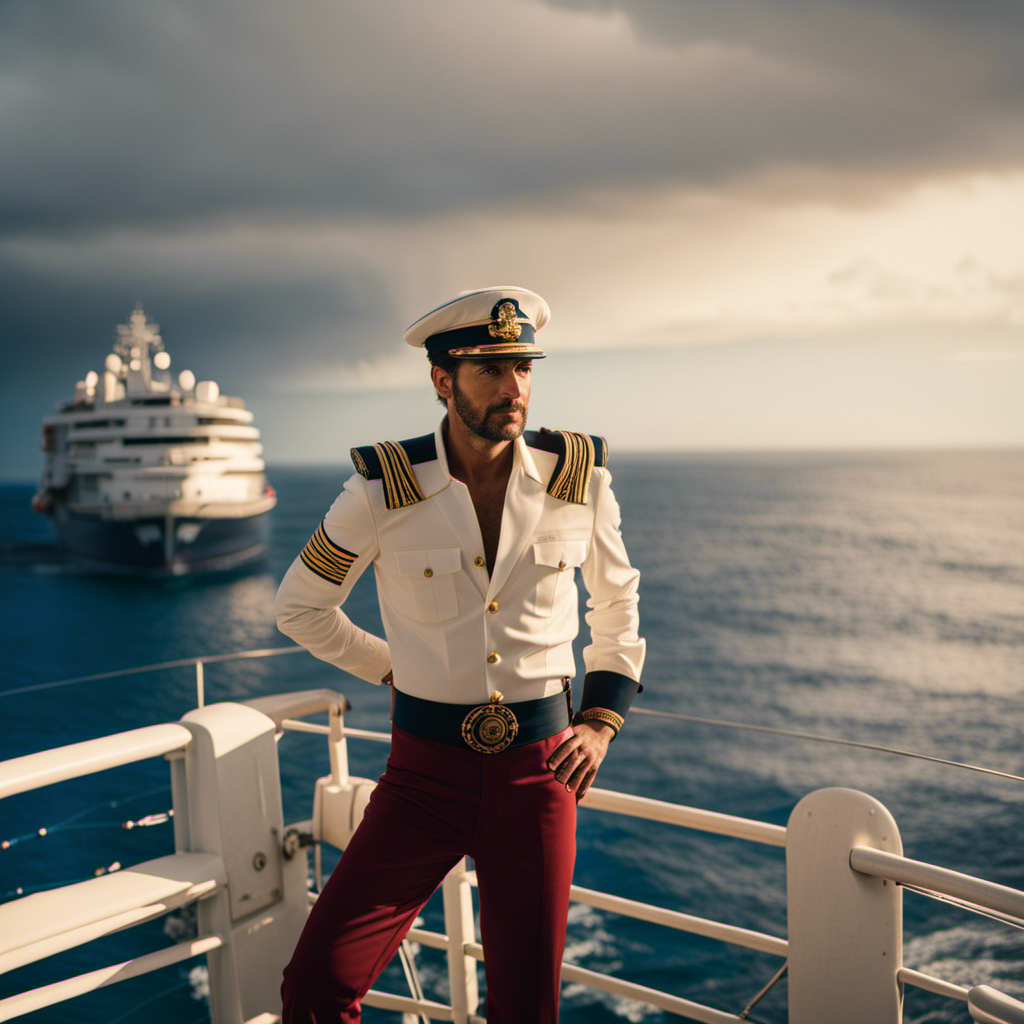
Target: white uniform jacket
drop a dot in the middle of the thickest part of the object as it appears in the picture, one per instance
(455, 634)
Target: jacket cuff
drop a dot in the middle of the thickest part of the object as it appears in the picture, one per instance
(607, 697)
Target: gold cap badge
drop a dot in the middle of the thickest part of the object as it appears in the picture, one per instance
(506, 327)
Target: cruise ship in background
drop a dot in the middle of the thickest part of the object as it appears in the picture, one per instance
(151, 474)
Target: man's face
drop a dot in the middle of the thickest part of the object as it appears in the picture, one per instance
(492, 398)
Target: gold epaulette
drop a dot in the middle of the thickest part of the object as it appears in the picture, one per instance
(578, 454)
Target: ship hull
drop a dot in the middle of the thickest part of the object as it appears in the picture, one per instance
(161, 545)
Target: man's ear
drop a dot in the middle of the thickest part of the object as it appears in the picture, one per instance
(442, 382)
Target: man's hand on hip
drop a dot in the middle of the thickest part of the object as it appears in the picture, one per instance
(576, 761)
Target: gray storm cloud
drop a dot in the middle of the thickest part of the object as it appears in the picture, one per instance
(128, 113)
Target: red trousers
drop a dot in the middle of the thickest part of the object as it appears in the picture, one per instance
(433, 805)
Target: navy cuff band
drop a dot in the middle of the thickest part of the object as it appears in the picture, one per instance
(609, 690)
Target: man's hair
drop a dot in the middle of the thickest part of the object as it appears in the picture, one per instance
(445, 362)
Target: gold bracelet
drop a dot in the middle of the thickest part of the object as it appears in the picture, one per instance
(602, 715)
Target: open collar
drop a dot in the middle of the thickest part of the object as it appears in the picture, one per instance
(522, 457)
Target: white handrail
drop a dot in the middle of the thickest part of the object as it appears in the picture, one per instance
(33, 771)
(905, 871)
(281, 707)
(930, 984)
(688, 817)
(406, 1004)
(48, 995)
(55, 920)
(987, 1004)
(631, 990)
(681, 922)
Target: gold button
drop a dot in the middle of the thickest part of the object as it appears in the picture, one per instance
(428, 573)
(478, 560)
(493, 658)
(492, 607)
(561, 565)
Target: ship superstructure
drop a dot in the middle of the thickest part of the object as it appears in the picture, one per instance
(145, 472)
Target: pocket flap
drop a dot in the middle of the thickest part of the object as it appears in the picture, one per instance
(439, 562)
(560, 554)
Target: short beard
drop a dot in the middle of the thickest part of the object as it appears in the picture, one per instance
(480, 426)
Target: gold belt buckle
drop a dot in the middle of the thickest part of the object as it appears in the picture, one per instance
(490, 728)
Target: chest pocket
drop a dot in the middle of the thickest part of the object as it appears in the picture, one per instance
(430, 576)
(556, 562)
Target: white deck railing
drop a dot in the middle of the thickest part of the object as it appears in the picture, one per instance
(845, 876)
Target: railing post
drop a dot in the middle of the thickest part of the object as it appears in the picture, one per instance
(234, 810)
(200, 685)
(845, 928)
(461, 929)
(179, 801)
(339, 799)
(338, 746)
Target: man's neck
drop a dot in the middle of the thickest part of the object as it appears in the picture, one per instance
(474, 460)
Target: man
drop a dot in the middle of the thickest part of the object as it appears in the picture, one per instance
(474, 533)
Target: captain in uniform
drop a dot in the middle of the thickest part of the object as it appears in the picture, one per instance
(475, 533)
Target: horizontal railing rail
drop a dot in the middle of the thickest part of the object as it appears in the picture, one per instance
(33, 771)
(56, 920)
(686, 817)
(284, 707)
(157, 666)
(904, 871)
(630, 990)
(811, 737)
(59, 992)
(989, 1006)
(931, 984)
(681, 922)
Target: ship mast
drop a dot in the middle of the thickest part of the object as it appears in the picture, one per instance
(137, 342)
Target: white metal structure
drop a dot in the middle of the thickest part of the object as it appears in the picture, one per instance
(149, 472)
(247, 871)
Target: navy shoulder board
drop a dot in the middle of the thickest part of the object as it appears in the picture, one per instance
(392, 462)
(578, 454)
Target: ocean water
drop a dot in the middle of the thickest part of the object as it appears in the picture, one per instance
(872, 597)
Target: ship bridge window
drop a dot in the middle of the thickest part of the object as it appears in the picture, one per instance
(159, 400)
(217, 421)
(86, 483)
(92, 424)
(164, 440)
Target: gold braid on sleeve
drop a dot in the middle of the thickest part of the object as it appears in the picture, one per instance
(602, 715)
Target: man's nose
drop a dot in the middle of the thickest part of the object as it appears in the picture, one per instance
(511, 386)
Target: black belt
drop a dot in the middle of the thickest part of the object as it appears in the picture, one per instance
(486, 728)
